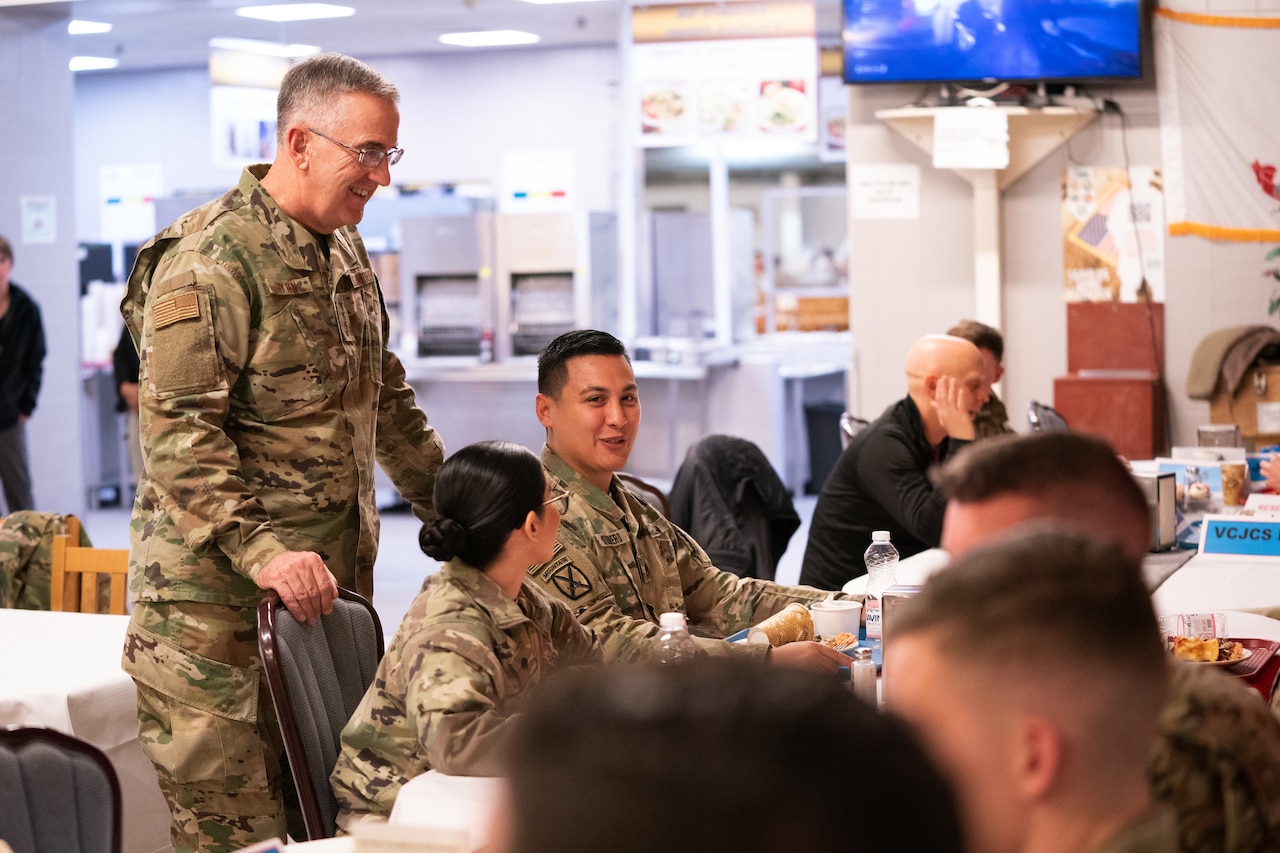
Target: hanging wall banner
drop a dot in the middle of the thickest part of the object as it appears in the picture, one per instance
(724, 70)
(1113, 234)
(1219, 105)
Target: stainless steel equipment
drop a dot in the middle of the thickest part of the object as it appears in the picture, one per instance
(1161, 493)
(556, 272)
(446, 274)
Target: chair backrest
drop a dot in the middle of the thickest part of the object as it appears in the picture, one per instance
(317, 675)
(57, 793)
(75, 571)
(1044, 418)
(651, 494)
(851, 425)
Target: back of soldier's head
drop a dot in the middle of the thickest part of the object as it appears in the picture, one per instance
(719, 756)
(1070, 477)
(1055, 624)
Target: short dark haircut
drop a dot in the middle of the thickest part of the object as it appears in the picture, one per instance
(720, 756)
(1063, 607)
(1070, 476)
(6, 250)
(980, 335)
(309, 90)
(482, 493)
(553, 370)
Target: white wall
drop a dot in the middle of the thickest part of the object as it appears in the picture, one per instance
(35, 119)
(458, 115)
(914, 278)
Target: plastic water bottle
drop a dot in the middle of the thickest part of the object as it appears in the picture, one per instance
(882, 572)
(674, 643)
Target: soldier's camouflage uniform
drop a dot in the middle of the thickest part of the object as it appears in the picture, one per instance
(992, 419)
(266, 391)
(1217, 762)
(619, 564)
(462, 663)
(26, 557)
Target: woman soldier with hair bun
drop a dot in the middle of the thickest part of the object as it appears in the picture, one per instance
(475, 640)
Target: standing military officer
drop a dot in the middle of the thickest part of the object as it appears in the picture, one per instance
(266, 393)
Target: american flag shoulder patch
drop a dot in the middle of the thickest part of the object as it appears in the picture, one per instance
(184, 306)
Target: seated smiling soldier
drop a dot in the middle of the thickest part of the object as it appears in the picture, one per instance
(618, 563)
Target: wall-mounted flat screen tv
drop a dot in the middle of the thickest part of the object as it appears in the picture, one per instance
(896, 41)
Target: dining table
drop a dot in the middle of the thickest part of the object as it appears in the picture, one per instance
(62, 671)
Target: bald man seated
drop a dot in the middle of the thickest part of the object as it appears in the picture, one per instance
(1216, 755)
(881, 481)
(1034, 673)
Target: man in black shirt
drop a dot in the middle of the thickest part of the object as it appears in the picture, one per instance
(881, 481)
(21, 368)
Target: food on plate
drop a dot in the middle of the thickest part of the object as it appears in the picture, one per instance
(1206, 651)
(1198, 492)
(783, 106)
(661, 105)
(843, 640)
(1195, 649)
(723, 108)
(791, 624)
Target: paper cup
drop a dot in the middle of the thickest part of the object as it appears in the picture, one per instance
(1235, 483)
(789, 625)
(836, 617)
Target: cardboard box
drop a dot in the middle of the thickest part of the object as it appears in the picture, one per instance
(1254, 407)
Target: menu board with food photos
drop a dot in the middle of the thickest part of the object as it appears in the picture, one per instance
(732, 70)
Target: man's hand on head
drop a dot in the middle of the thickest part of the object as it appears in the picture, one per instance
(951, 402)
(304, 582)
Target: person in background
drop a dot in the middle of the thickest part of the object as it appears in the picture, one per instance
(22, 352)
(124, 369)
(992, 418)
(881, 480)
(267, 393)
(618, 563)
(1216, 756)
(718, 756)
(476, 641)
(1034, 673)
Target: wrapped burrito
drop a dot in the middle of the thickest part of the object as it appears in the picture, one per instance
(791, 624)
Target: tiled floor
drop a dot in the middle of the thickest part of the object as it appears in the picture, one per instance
(402, 566)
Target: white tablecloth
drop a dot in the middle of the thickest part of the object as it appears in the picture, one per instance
(62, 671)
(436, 801)
(1209, 583)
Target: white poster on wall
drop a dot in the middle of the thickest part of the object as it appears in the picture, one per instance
(537, 182)
(242, 126)
(885, 191)
(970, 138)
(126, 199)
(39, 218)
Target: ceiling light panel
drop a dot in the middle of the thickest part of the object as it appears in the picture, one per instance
(489, 38)
(284, 12)
(92, 63)
(87, 28)
(266, 48)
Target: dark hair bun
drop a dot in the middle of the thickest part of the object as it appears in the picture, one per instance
(442, 538)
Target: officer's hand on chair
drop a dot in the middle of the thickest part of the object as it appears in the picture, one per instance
(305, 584)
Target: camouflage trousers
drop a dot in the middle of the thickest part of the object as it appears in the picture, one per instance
(206, 722)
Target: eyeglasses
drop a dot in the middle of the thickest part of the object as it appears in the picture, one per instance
(369, 157)
(560, 500)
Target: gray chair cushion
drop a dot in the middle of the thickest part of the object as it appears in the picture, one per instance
(55, 795)
(327, 667)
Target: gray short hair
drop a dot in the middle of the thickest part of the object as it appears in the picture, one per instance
(308, 88)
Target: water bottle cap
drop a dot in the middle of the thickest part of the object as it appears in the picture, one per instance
(673, 619)
(880, 536)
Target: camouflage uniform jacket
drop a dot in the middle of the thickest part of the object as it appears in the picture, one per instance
(1217, 762)
(461, 664)
(26, 557)
(992, 419)
(620, 564)
(266, 391)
